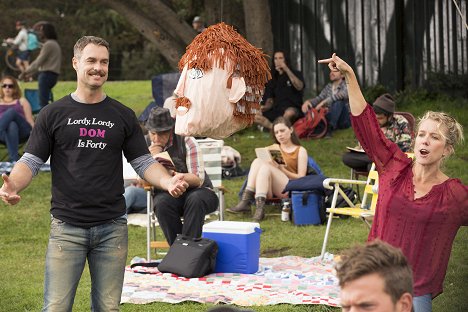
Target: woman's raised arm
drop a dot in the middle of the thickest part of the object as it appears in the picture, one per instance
(357, 103)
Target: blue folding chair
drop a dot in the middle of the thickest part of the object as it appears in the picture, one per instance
(162, 87)
(32, 95)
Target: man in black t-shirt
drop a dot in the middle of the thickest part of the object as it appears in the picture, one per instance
(283, 93)
(84, 134)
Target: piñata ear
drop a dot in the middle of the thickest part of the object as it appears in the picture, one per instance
(180, 88)
(237, 89)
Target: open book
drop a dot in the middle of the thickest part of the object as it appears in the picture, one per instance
(271, 152)
(165, 159)
(357, 149)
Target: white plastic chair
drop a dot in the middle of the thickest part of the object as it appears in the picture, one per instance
(211, 150)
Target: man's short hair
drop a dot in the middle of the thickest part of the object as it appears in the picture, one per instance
(84, 41)
(381, 258)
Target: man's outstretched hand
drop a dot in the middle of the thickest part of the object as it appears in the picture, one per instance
(8, 191)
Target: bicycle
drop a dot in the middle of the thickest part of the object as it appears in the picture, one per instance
(10, 55)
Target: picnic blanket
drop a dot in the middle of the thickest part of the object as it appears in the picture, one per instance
(289, 279)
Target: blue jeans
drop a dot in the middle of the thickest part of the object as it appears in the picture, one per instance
(104, 246)
(338, 115)
(13, 130)
(135, 199)
(46, 81)
(422, 303)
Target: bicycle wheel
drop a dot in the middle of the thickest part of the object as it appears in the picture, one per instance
(10, 59)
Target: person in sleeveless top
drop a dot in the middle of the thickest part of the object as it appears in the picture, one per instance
(16, 119)
(420, 208)
(267, 179)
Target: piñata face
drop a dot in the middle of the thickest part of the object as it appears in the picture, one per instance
(221, 84)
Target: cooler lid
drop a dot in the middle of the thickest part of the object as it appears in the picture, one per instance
(232, 227)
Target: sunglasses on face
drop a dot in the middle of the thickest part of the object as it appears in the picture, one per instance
(8, 86)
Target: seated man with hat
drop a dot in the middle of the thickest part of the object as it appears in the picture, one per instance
(186, 156)
(395, 127)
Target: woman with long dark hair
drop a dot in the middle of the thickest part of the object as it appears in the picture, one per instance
(283, 93)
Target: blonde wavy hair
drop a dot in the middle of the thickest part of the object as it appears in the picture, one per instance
(448, 127)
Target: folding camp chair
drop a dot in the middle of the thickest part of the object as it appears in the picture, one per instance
(276, 201)
(32, 95)
(152, 242)
(211, 150)
(362, 211)
(162, 87)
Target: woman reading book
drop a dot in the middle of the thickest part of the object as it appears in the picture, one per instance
(420, 208)
(267, 178)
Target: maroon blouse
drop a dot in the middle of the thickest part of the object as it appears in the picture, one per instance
(424, 228)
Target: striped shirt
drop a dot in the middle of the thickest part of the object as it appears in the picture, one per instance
(330, 95)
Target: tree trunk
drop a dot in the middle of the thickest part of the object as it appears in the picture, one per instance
(171, 48)
(229, 12)
(165, 17)
(258, 24)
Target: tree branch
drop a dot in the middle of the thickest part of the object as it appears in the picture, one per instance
(169, 47)
(164, 16)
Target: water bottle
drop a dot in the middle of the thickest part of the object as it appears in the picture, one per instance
(285, 211)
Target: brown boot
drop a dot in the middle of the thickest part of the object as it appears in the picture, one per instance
(259, 214)
(244, 205)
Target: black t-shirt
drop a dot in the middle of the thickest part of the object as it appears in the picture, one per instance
(85, 143)
(283, 92)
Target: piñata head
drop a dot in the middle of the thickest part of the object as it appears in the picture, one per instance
(221, 85)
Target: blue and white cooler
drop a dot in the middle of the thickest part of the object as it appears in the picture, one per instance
(238, 245)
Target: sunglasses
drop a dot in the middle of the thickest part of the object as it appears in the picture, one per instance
(8, 86)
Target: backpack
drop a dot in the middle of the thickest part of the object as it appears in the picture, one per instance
(33, 42)
(230, 162)
(313, 125)
(340, 202)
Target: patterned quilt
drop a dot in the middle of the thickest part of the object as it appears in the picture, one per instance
(289, 279)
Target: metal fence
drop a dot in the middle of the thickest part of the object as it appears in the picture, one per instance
(396, 43)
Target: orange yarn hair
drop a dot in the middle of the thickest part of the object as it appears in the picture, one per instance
(220, 45)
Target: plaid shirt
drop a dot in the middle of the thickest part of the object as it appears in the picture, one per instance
(194, 157)
(341, 93)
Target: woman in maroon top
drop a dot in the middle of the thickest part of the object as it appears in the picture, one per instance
(419, 208)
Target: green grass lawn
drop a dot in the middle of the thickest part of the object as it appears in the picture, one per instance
(24, 228)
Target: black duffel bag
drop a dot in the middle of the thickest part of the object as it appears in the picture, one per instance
(190, 257)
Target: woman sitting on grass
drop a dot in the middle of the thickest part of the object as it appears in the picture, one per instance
(16, 120)
(269, 178)
(419, 209)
